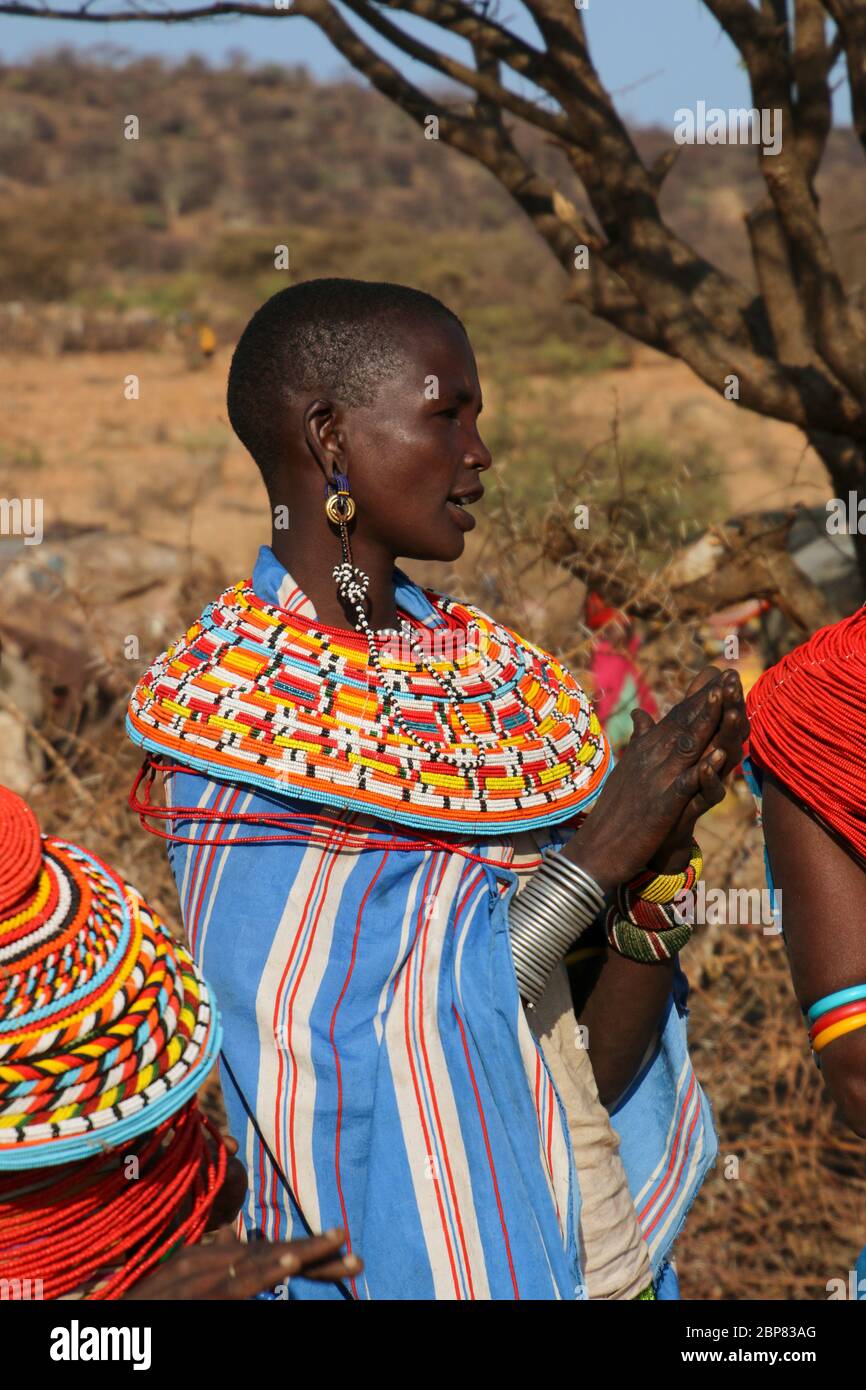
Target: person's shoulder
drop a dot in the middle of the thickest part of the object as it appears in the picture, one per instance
(814, 667)
(806, 724)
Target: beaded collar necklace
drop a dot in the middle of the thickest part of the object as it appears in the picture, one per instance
(496, 737)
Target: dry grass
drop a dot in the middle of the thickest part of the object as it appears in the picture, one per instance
(785, 1209)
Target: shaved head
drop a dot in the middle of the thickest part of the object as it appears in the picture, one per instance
(342, 337)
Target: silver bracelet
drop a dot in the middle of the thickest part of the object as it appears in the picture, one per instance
(558, 904)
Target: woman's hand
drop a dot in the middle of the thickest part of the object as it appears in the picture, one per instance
(667, 776)
(673, 854)
(226, 1270)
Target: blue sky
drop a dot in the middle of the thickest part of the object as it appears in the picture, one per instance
(655, 55)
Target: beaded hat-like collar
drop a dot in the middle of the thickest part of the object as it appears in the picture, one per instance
(259, 693)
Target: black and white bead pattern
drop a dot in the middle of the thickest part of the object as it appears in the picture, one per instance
(352, 585)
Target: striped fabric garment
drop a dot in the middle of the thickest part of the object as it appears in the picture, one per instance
(378, 1069)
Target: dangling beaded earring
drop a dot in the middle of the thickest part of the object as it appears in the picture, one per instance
(339, 509)
(352, 587)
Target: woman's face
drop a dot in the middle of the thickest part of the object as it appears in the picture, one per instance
(417, 446)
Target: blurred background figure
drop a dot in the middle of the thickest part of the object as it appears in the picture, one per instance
(617, 683)
(206, 341)
(196, 337)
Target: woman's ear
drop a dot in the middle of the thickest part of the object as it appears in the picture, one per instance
(323, 437)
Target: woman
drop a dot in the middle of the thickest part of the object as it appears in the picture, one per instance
(363, 779)
(807, 767)
(107, 1167)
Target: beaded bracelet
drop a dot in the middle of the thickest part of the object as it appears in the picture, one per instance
(647, 915)
(642, 925)
(646, 946)
(561, 901)
(663, 888)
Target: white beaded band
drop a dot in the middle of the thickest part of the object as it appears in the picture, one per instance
(558, 904)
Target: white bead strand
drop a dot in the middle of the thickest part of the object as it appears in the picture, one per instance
(352, 586)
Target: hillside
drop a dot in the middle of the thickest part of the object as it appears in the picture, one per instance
(230, 162)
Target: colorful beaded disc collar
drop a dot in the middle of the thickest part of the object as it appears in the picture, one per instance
(106, 1027)
(268, 698)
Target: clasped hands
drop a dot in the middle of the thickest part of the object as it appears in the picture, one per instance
(671, 772)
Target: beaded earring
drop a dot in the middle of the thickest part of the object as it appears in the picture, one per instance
(340, 505)
(352, 583)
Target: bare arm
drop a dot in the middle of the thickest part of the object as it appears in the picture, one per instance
(622, 1016)
(823, 903)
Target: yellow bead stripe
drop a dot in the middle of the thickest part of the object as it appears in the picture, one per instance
(665, 887)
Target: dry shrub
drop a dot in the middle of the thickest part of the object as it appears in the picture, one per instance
(49, 249)
(795, 1215)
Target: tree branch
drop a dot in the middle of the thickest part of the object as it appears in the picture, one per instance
(812, 60)
(597, 288)
(483, 33)
(798, 351)
(835, 326)
(483, 83)
(133, 15)
(771, 258)
(850, 22)
(745, 26)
